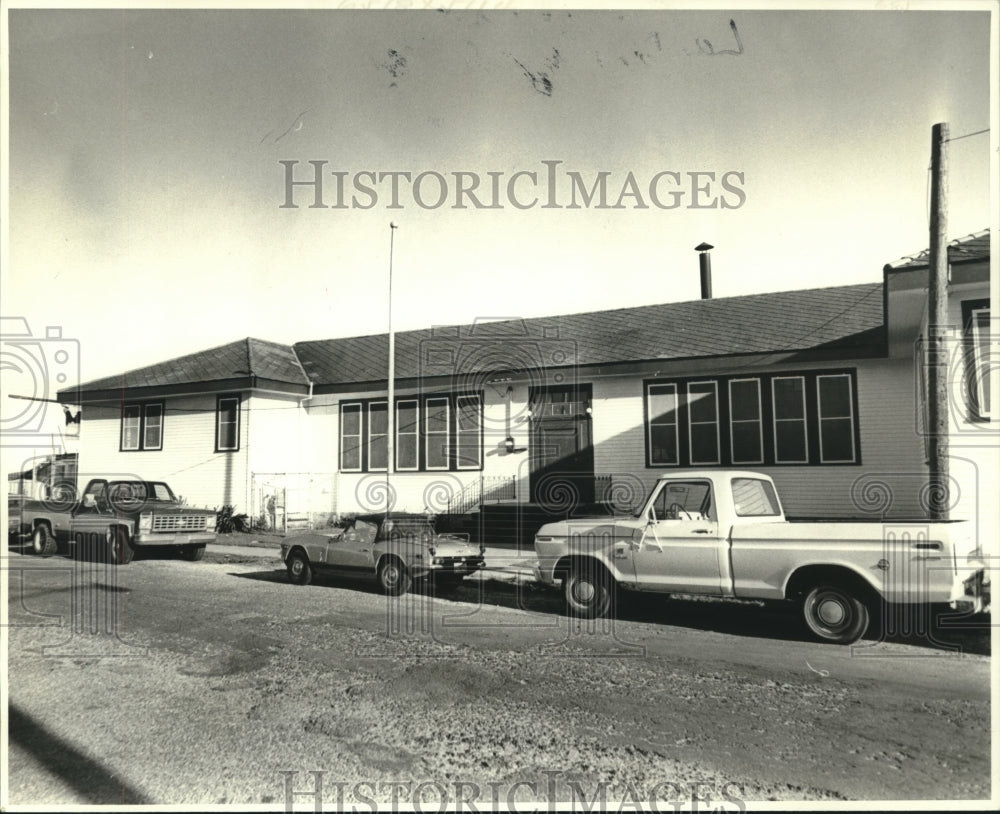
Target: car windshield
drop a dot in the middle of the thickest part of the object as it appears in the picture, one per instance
(134, 491)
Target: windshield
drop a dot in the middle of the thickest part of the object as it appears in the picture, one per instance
(135, 491)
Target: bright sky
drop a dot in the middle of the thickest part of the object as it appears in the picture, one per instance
(145, 190)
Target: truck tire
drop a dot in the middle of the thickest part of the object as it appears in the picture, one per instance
(193, 553)
(393, 576)
(119, 548)
(42, 542)
(299, 570)
(833, 614)
(589, 591)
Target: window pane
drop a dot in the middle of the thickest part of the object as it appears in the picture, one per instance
(406, 416)
(153, 432)
(704, 444)
(662, 404)
(437, 452)
(747, 447)
(837, 439)
(789, 401)
(663, 444)
(378, 452)
(834, 396)
(406, 452)
(130, 427)
(744, 400)
(350, 419)
(378, 418)
(702, 401)
(790, 442)
(468, 415)
(350, 454)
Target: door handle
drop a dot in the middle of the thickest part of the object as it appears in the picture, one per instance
(701, 531)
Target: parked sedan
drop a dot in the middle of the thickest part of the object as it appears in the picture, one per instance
(396, 550)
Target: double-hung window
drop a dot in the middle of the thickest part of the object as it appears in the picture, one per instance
(142, 427)
(804, 418)
(227, 424)
(431, 433)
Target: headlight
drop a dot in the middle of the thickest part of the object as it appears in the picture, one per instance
(145, 522)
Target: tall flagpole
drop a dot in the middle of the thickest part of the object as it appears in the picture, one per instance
(391, 406)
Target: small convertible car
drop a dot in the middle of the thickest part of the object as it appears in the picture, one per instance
(396, 550)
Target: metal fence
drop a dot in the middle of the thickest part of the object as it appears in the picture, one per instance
(286, 501)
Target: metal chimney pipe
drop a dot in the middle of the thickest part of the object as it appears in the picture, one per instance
(705, 263)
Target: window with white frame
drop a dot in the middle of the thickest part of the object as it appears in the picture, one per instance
(142, 427)
(407, 436)
(350, 437)
(436, 432)
(433, 433)
(796, 418)
(378, 436)
(227, 424)
(468, 432)
(703, 422)
(836, 419)
(662, 423)
(791, 432)
(746, 436)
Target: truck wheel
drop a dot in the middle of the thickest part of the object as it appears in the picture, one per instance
(834, 615)
(42, 542)
(193, 553)
(299, 570)
(119, 547)
(393, 577)
(589, 592)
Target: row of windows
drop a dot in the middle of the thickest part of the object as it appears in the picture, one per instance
(433, 433)
(142, 425)
(795, 418)
(807, 418)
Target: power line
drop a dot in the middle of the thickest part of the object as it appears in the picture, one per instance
(967, 135)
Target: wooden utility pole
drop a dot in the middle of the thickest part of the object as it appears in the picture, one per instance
(937, 326)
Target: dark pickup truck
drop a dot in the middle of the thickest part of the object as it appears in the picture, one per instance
(115, 516)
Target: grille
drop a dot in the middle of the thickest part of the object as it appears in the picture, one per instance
(180, 522)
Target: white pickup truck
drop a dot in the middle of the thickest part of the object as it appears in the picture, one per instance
(723, 533)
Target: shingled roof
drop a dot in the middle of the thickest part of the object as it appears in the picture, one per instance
(847, 318)
(242, 360)
(974, 248)
(845, 321)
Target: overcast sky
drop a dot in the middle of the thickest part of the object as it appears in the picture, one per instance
(145, 190)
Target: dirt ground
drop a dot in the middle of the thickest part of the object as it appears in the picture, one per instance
(219, 683)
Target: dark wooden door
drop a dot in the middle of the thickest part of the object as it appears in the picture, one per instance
(562, 448)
